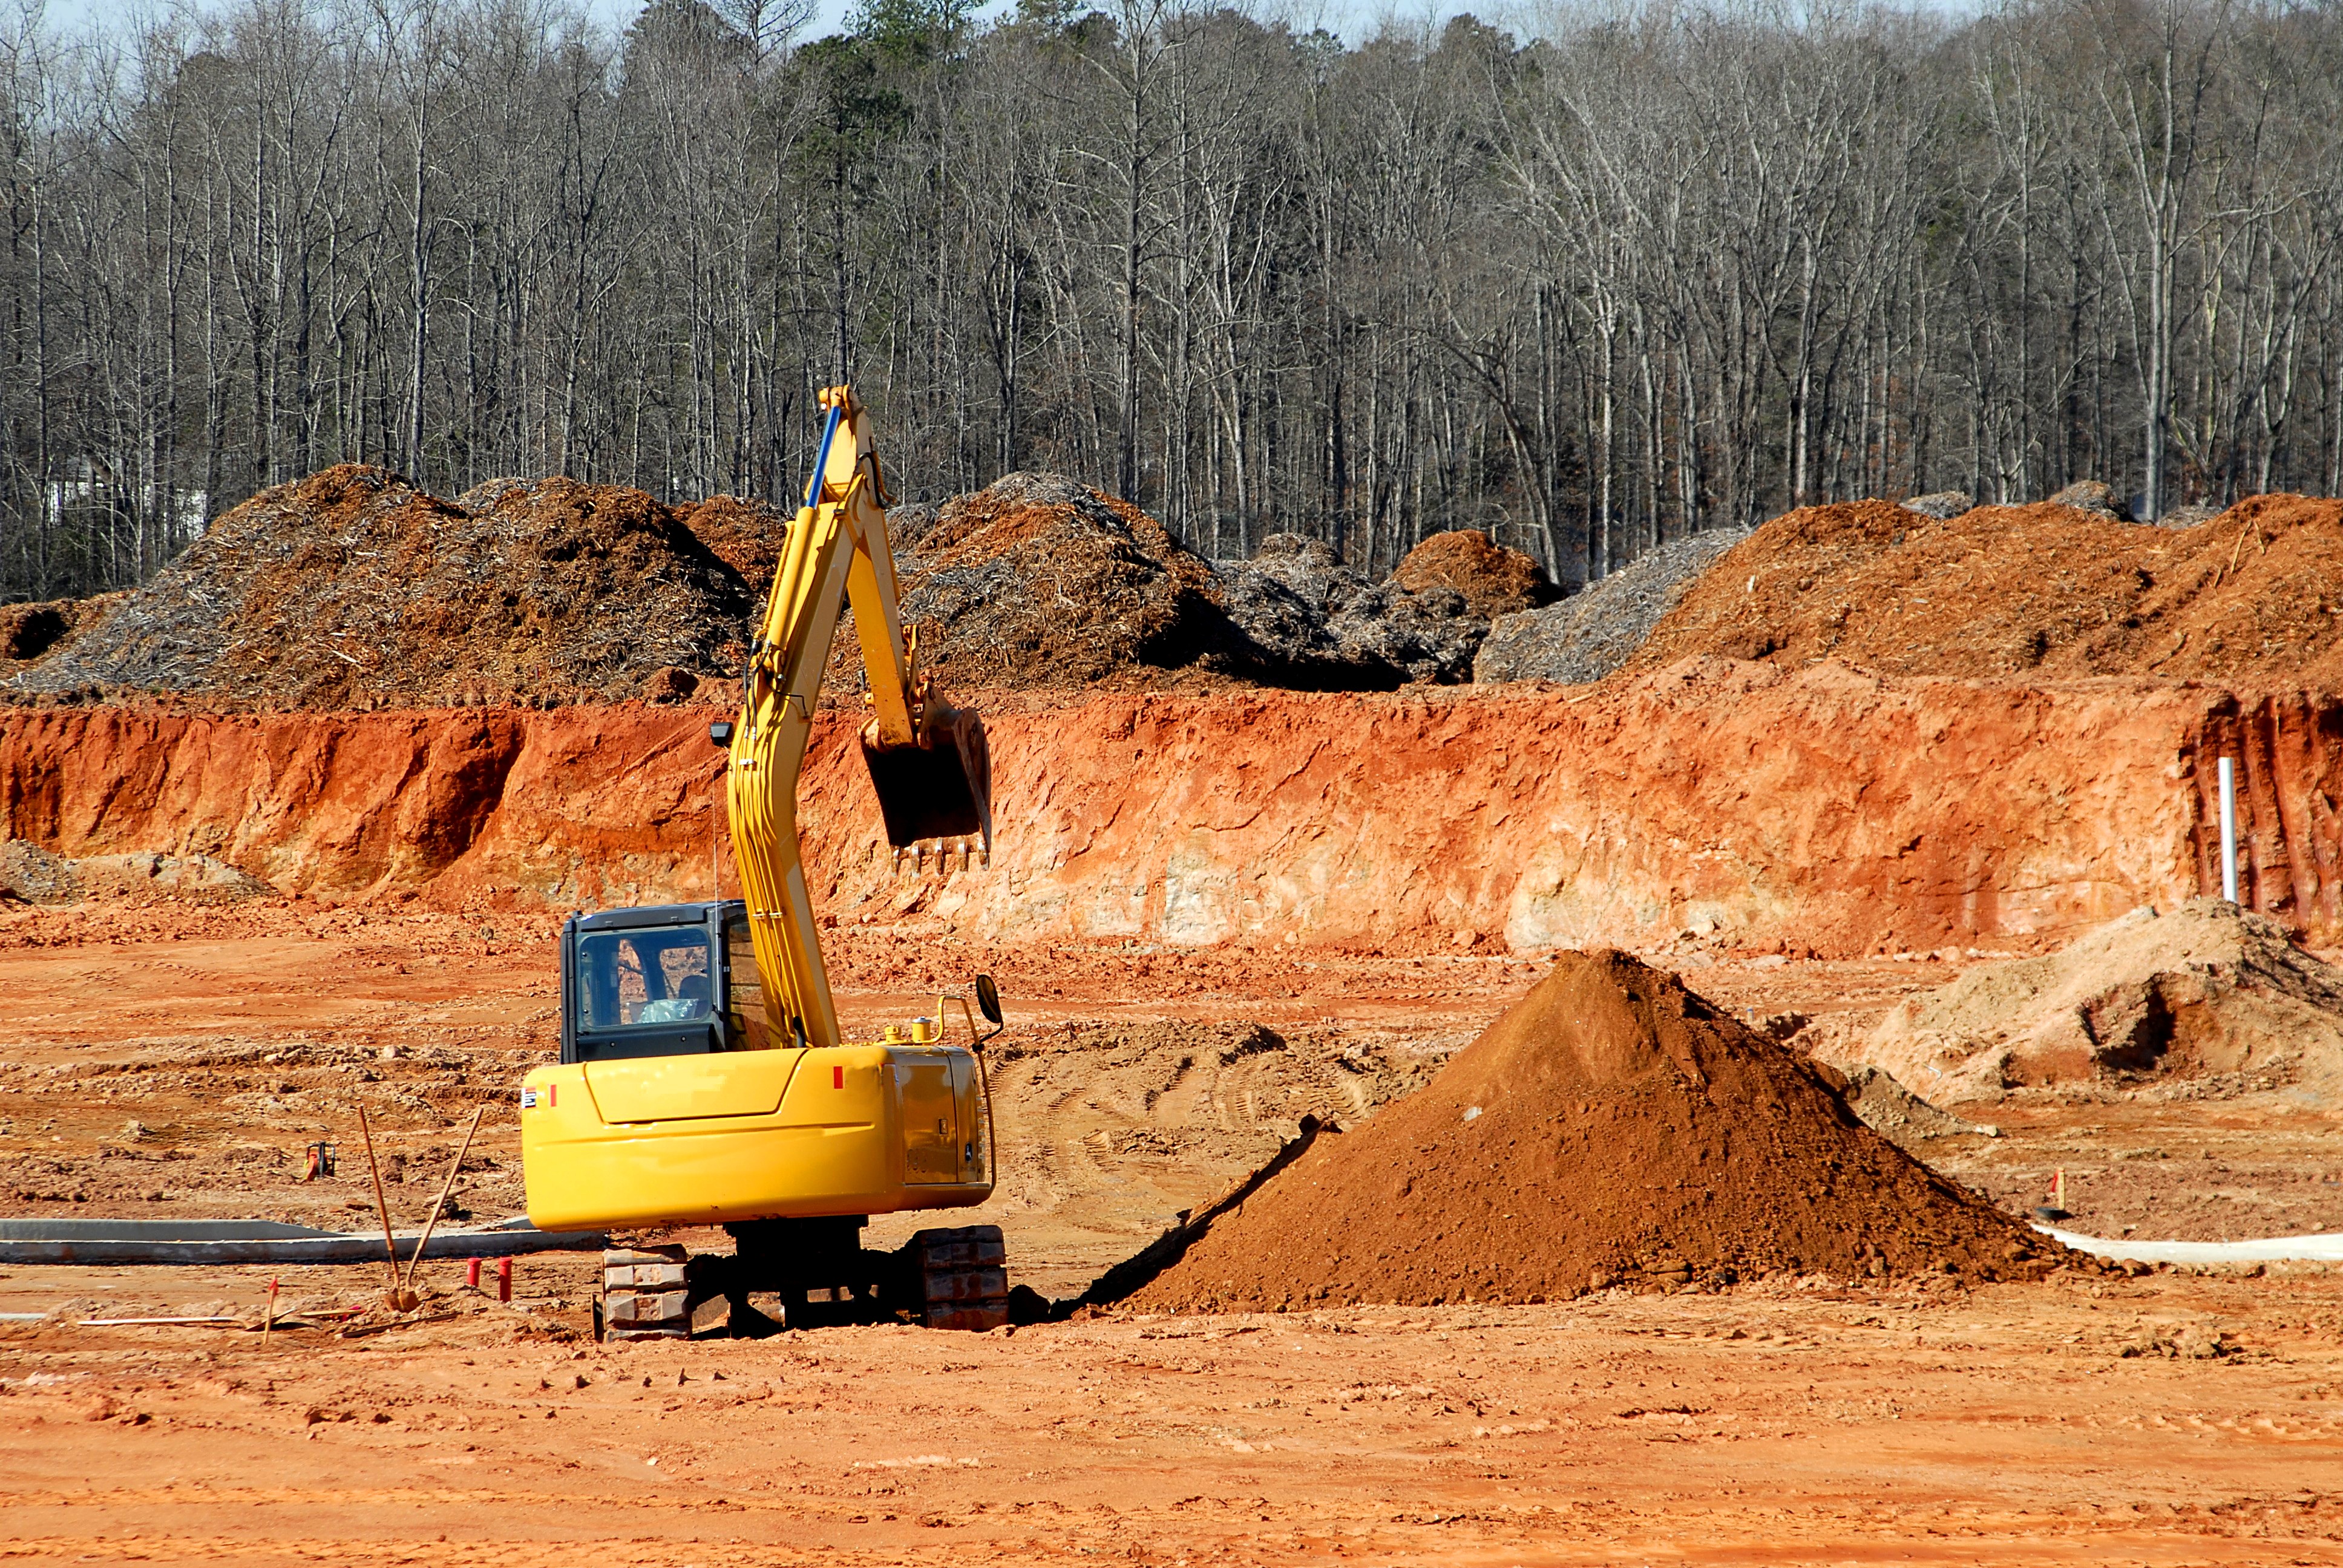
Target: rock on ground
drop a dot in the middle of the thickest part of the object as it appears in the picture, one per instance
(1589, 635)
(2093, 496)
(1941, 504)
(2208, 999)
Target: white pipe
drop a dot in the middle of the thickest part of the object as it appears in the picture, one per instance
(2325, 1248)
(2229, 831)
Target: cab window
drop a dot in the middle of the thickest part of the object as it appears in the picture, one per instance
(658, 976)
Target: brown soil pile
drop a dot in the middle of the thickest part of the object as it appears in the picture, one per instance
(352, 589)
(1494, 580)
(2044, 590)
(746, 536)
(1612, 1127)
(1039, 580)
(2209, 998)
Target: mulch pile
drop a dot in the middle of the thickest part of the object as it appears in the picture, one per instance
(31, 631)
(352, 589)
(1594, 632)
(2046, 589)
(1494, 580)
(1612, 1128)
(746, 536)
(1039, 580)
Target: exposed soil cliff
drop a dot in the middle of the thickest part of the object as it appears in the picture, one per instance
(1725, 803)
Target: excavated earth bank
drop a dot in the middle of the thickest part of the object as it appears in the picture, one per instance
(1612, 1127)
(1723, 804)
(2207, 997)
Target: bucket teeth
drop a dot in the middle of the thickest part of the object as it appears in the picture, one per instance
(955, 854)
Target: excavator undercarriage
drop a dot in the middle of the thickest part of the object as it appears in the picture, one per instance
(818, 1274)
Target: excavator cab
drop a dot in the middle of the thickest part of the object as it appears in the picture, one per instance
(666, 980)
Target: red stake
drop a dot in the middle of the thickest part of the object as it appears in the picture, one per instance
(472, 1273)
(504, 1279)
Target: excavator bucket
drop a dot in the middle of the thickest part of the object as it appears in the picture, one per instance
(939, 791)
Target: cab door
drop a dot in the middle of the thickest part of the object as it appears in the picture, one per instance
(968, 1107)
(931, 1150)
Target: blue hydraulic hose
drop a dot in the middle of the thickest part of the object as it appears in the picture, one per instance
(821, 458)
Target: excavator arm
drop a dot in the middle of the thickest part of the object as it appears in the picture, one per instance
(929, 761)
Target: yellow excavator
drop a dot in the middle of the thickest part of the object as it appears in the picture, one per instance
(704, 1078)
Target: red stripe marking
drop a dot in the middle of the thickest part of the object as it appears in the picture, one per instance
(551, 1096)
(837, 1078)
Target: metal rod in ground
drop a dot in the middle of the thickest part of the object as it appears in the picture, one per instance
(446, 1188)
(268, 1323)
(2229, 831)
(381, 1203)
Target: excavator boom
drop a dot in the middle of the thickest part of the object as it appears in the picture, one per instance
(929, 764)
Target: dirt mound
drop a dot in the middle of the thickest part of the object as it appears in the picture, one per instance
(1898, 1114)
(1494, 580)
(1331, 628)
(2209, 995)
(746, 536)
(1613, 1126)
(1038, 581)
(2034, 590)
(352, 589)
(1588, 636)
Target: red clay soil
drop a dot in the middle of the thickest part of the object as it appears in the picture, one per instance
(1738, 805)
(2039, 590)
(1494, 580)
(1611, 1128)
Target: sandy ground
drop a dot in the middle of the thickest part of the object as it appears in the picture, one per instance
(174, 1062)
(1774, 1424)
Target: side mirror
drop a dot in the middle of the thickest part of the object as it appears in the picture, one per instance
(720, 733)
(987, 1000)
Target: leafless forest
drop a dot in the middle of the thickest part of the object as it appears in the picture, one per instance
(1630, 273)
